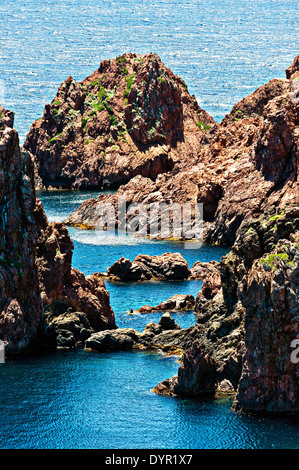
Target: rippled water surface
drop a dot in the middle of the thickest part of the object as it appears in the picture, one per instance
(223, 50)
(91, 400)
(86, 400)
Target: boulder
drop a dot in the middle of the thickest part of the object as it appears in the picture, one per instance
(178, 303)
(169, 266)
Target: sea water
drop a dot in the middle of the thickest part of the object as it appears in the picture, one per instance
(89, 400)
(223, 50)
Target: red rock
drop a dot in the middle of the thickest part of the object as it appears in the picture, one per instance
(269, 381)
(243, 165)
(144, 267)
(178, 302)
(36, 256)
(131, 116)
(294, 67)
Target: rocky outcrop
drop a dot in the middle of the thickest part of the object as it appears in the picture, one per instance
(270, 292)
(248, 320)
(195, 377)
(20, 302)
(131, 117)
(165, 267)
(245, 164)
(168, 266)
(166, 336)
(60, 282)
(36, 257)
(62, 327)
(176, 303)
(293, 68)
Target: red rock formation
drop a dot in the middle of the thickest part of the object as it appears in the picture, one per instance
(178, 302)
(248, 320)
(270, 380)
(244, 164)
(131, 116)
(168, 266)
(35, 256)
(20, 303)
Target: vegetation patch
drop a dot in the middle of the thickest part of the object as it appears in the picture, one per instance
(277, 260)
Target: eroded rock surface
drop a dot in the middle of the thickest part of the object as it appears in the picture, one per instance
(131, 117)
(244, 164)
(247, 321)
(168, 266)
(36, 256)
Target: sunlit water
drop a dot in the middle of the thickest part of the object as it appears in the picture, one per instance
(88, 400)
(223, 50)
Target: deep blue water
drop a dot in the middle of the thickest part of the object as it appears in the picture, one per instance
(224, 50)
(88, 400)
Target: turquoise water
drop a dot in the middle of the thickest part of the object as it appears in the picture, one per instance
(95, 251)
(224, 50)
(88, 400)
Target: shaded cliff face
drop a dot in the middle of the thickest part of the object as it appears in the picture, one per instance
(20, 302)
(247, 321)
(36, 256)
(132, 116)
(270, 292)
(245, 164)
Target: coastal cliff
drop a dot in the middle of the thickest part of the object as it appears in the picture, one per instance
(35, 258)
(243, 170)
(242, 165)
(248, 315)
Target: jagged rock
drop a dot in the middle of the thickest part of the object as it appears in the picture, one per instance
(131, 117)
(36, 256)
(200, 269)
(196, 375)
(270, 293)
(20, 303)
(245, 164)
(168, 323)
(294, 67)
(249, 323)
(62, 327)
(168, 266)
(178, 302)
(165, 335)
(59, 281)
